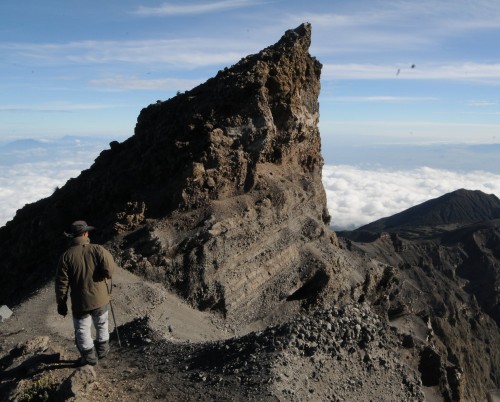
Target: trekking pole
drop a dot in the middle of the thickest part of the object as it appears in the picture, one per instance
(112, 311)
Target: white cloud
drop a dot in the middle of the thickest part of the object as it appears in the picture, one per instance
(477, 72)
(355, 196)
(47, 107)
(185, 9)
(358, 196)
(396, 26)
(379, 99)
(413, 132)
(187, 53)
(31, 170)
(444, 17)
(26, 183)
(483, 103)
(135, 83)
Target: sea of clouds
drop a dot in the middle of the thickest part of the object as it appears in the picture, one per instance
(30, 171)
(358, 196)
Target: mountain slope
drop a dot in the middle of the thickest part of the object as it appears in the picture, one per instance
(458, 207)
(446, 270)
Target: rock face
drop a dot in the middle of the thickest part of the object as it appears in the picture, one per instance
(245, 208)
(218, 194)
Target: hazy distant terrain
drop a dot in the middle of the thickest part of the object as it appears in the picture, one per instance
(447, 156)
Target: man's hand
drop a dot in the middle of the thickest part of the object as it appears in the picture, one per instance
(62, 309)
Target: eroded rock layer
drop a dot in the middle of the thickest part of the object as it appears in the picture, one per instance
(241, 216)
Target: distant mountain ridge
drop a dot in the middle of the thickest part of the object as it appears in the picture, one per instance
(458, 207)
(457, 234)
(31, 150)
(57, 142)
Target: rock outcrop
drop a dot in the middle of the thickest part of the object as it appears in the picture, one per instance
(246, 211)
(218, 195)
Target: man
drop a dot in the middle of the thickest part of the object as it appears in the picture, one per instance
(83, 269)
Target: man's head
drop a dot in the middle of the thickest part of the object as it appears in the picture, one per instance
(79, 228)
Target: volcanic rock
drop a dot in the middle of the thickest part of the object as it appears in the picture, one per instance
(218, 195)
(441, 284)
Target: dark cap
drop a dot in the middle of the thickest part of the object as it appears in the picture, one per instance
(78, 228)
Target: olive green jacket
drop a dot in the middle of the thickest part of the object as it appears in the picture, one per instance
(82, 269)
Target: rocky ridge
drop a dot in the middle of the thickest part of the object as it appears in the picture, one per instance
(442, 283)
(452, 210)
(218, 194)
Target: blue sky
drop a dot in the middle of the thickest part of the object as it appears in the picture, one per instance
(406, 85)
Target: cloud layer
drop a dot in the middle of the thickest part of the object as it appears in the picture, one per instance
(31, 169)
(26, 183)
(356, 196)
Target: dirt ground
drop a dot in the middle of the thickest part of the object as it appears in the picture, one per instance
(170, 351)
(121, 375)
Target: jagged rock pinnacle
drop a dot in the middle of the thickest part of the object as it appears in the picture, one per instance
(218, 194)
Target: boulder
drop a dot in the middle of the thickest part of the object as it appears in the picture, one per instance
(5, 313)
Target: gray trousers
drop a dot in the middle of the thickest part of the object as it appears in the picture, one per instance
(83, 328)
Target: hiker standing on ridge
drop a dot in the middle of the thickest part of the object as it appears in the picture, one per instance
(83, 269)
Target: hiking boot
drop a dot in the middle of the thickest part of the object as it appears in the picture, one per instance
(89, 357)
(102, 349)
